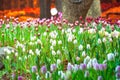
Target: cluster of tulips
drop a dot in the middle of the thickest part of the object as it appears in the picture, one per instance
(54, 49)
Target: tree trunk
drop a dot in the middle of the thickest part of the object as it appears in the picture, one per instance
(1, 5)
(95, 9)
(45, 8)
(58, 4)
(72, 11)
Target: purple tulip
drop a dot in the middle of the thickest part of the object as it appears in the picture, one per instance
(117, 69)
(104, 66)
(53, 67)
(96, 66)
(82, 66)
(69, 66)
(34, 68)
(20, 77)
(101, 67)
(118, 75)
(43, 69)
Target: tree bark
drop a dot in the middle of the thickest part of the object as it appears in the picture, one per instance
(45, 8)
(58, 4)
(72, 11)
(95, 9)
(1, 5)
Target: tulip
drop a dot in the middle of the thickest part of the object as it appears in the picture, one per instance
(20, 77)
(100, 78)
(82, 66)
(43, 69)
(53, 67)
(69, 66)
(86, 74)
(34, 68)
(80, 47)
(111, 56)
(117, 69)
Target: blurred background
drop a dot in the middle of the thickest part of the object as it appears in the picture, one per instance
(24, 9)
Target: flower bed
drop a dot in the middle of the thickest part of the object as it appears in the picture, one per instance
(55, 49)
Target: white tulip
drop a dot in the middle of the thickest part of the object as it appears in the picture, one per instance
(54, 43)
(110, 39)
(86, 74)
(16, 54)
(5, 50)
(83, 54)
(99, 41)
(75, 67)
(77, 58)
(59, 42)
(47, 74)
(63, 75)
(75, 41)
(60, 73)
(7, 57)
(110, 56)
(37, 52)
(33, 38)
(58, 61)
(69, 30)
(91, 31)
(12, 51)
(31, 52)
(88, 46)
(80, 47)
(53, 34)
(51, 47)
(80, 31)
(39, 41)
(74, 30)
(69, 39)
(25, 57)
(63, 31)
(45, 34)
(115, 34)
(104, 39)
(37, 77)
(106, 33)
(94, 60)
(68, 74)
(51, 40)
(86, 60)
(8, 51)
(89, 65)
(58, 52)
(53, 52)
(102, 31)
(23, 49)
